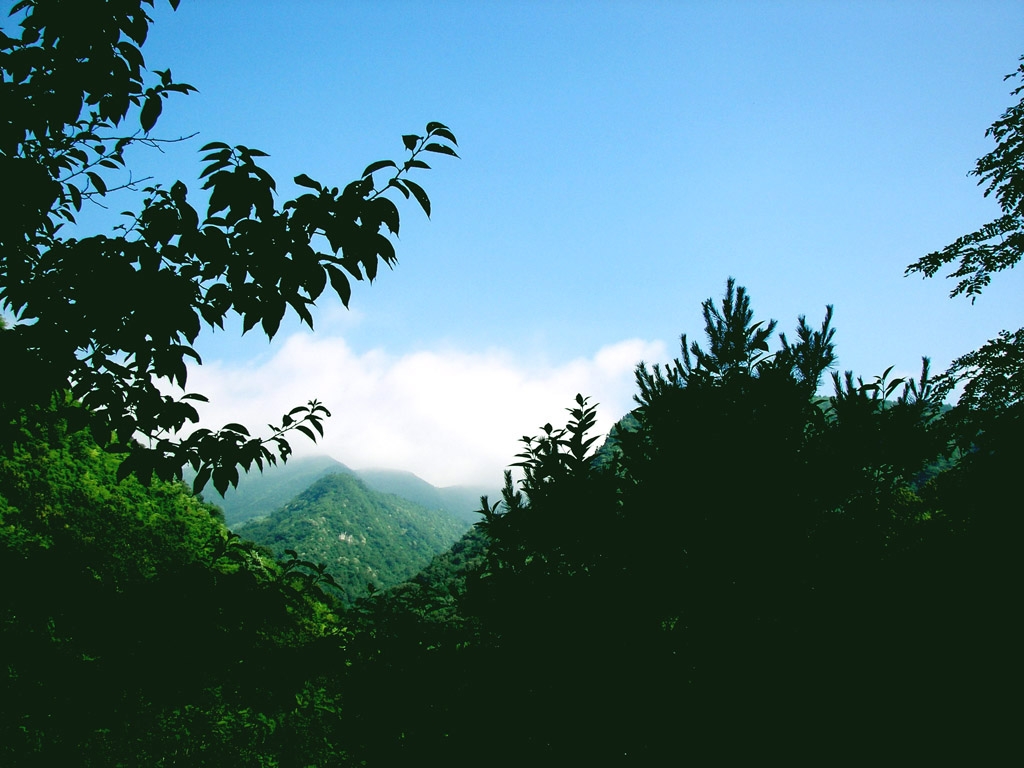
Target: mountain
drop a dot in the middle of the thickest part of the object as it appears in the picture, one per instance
(259, 494)
(363, 536)
(460, 500)
(605, 453)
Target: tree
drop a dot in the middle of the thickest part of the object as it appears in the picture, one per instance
(989, 415)
(99, 321)
(727, 558)
(998, 245)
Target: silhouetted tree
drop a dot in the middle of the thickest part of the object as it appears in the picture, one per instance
(978, 496)
(744, 539)
(999, 244)
(103, 319)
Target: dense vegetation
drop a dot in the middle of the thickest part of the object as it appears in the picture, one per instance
(749, 560)
(260, 494)
(142, 632)
(366, 539)
(605, 608)
(745, 568)
(458, 500)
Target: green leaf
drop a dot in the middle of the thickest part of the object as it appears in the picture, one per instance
(221, 154)
(272, 317)
(97, 182)
(150, 112)
(339, 283)
(220, 481)
(213, 167)
(373, 167)
(201, 479)
(410, 141)
(441, 149)
(214, 145)
(386, 250)
(370, 264)
(388, 213)
(304, 181)
(421, 195)
(444, 133)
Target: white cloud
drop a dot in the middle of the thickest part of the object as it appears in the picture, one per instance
(448, 415)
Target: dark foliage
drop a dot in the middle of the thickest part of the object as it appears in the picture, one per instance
(74, 78)
(143, 633)
(999, 244)
(750, 560)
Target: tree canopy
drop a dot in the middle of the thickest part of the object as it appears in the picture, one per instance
(104, 319)
(999, 244)
(990, 410)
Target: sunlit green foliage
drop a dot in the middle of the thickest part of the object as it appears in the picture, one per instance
(141, 632)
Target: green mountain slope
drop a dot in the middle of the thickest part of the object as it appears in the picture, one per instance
(460, 500)
(260, 493)
(604, 455)
(364, 537)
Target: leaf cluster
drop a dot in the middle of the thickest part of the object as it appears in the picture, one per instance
(999, 244)
(738, 351)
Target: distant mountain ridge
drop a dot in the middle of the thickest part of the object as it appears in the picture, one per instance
(260, 494)
(460, 500)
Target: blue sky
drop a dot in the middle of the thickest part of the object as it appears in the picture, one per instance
(619, 161)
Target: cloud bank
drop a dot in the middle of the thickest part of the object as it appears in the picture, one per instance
(450, 416)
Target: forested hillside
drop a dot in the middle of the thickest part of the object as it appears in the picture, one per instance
(462, 501)
(260, 493)
(365, 538)
(141, 632)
